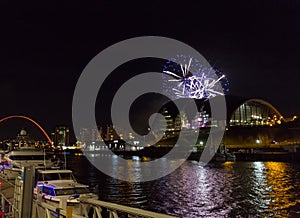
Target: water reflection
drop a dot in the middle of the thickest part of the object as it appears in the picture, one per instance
(240, 189)
(283, 183)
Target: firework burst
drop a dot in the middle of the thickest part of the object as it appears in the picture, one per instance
(190, 79)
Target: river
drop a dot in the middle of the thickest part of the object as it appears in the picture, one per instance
(230, 189)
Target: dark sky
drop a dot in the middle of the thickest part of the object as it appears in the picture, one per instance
(45, 45)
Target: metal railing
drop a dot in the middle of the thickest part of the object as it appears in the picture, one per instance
(86, 207)
(42, 209)
(7, 208)
(115, 210)
(92, 208)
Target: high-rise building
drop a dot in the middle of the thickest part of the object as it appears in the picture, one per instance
(62, 136)
(94, 135)
(88, 135)
(169, 120)
(181, 122)
(200, 120)
(111, 133)
(84, 135)
(163, 125)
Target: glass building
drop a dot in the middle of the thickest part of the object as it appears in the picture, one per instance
(255, 112)
(248, 112)
(62, 136)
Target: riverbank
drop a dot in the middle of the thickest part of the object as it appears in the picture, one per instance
(267, 155)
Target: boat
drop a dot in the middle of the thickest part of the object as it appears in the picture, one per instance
(56, 186)
(27, 157)
(13, 161)
(22, 152)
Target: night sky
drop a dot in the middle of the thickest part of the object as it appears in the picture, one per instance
(45, 46)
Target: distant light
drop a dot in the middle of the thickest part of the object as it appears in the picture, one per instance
(257, 141)
(135, 158)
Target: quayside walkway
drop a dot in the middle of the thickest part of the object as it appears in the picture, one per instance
(17, 201)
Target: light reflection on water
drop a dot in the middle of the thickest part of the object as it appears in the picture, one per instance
(231, 189)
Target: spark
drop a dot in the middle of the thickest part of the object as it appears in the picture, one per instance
(192, 85)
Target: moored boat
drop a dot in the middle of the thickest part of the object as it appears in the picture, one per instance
(13, 161)
(21, 152)
(55, 186)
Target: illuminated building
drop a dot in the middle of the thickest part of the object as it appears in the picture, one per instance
(166, 124)
(90, 135)
(62, 136)
(84, 135)
(95, 135)
(181, 122)
(239, 112)
(201, 119)
(253, 112)
(109, 133)
(169, 120)
(23, 140)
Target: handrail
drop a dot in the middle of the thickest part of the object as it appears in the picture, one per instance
(52, 208)
(11, 206)
(125, 209)
(6, 181)
(86, 203)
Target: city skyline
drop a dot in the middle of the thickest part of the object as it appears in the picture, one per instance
(46, 47)
(241, 112)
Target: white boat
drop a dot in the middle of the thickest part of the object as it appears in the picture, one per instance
(54, 186)
(28, 157)
(21, 152)
(13, 161)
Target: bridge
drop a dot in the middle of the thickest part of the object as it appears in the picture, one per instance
(17, 199)
(30, 120)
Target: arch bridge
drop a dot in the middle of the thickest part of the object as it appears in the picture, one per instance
(32, 121)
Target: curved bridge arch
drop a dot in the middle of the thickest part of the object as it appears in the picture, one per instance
(32, 121)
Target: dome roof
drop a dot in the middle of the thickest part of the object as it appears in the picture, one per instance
(23, 132)
(234, 102)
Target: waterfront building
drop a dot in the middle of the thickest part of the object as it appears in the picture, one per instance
(249, 122)
(84, 135)
(169, 120)
(90, 135)
(62, 136)
(240, 112)
(181, 122)
(255, 112)
(200, 120)
(23, 139)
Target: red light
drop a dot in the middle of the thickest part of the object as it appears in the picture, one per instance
(0, 183)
